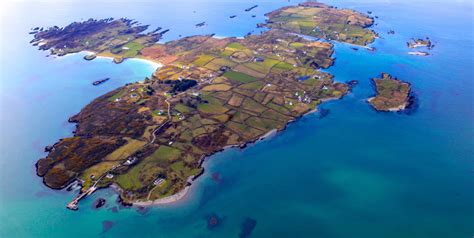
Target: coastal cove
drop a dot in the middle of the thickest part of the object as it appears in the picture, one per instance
(350, 172)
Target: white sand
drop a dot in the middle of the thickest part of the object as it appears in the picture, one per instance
(167, 200)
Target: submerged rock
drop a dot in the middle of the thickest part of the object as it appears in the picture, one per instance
(107, 225)
(216, 177)
(143, 210)
(247, 227)
(352, 83)
(114, 209)
(323, 113)
(100, 202)
(213, 220)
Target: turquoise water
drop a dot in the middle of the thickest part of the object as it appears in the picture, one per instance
(353, 173)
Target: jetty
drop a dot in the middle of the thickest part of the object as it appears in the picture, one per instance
(73, 205)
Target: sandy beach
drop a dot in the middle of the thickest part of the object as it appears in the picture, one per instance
(155, 64)
(166, 200)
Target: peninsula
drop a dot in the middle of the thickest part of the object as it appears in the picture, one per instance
(122, 38)
(392, 94)
(148, 139)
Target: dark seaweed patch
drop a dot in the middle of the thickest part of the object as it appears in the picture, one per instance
(323, 113)
(213, 221)
(247, 227)
(114, 209)
(107, 225)
(143, 210)
(216, 177)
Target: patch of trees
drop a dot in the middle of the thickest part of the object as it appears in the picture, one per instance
(180, 85)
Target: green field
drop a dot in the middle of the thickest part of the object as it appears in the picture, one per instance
(239, 77)
(213, 106)
(252, 85)
(203, 60)
(118, 95)
(182, 108)
(133, 49)
(262, 67)
(126, 150)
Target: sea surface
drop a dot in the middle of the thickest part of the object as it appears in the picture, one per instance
(354, 173)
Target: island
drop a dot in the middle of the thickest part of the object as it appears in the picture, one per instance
(148, 139)
(392, 94)
(322, 21)
(415, 43)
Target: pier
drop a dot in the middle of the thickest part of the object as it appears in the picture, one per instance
(73, 205)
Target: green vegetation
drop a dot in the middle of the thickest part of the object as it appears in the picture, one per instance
(236, 46)
(213, 106)
(131, 49)
(264, 124)
(126, 150)
(392, 94)
(262, 67)
(253, 85)
(167, 153)
(182, 108)
(118, 95)
(252, 105)
(203, 60)
(284, 66)
(240, 77)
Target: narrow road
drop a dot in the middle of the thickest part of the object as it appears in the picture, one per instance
(153, 134)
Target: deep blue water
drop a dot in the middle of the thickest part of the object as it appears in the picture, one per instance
(353, 173)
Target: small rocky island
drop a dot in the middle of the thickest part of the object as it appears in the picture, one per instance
(392, 94)
(148, 139)
(415, 43)
(420, 43)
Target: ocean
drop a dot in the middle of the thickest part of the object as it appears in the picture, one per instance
(353, 173)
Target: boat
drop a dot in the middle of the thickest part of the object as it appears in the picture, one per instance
(233, 16)
(201, 24)
(101, 81)
(250, 8)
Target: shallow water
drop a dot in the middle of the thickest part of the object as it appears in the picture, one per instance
(354, 173)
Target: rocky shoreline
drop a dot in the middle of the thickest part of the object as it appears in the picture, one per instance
(392, 95)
